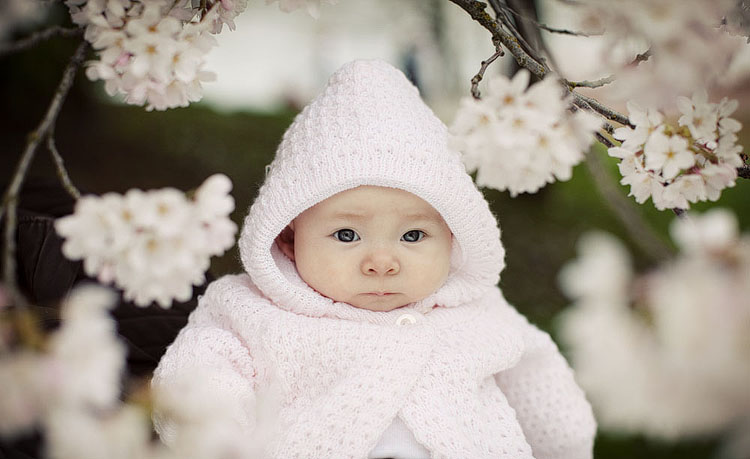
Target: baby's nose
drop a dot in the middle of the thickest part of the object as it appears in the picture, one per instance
(380, 263)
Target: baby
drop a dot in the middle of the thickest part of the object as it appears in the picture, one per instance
(370, 302)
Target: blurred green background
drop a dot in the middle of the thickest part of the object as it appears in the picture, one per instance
(111, 147)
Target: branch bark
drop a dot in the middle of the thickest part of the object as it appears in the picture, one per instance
(37, 37)
(479, 76)
(591, 84)
(10, 199)
(603, 110)
(62, 172)
(546, 27)
(477, 12)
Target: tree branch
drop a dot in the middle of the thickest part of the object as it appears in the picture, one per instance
(10, 200)
(590, 84)
(546, 27)
(478, 77)
(37, 37)
(477, 12)
(601, 109)
(586, 106)
(603, 140)
(639, 230)
(62, 173)
(506, 20)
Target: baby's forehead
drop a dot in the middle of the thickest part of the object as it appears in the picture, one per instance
(368, 201)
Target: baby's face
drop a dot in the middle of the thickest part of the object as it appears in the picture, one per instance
(375, 248)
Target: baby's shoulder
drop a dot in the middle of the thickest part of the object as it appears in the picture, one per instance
(229, 298)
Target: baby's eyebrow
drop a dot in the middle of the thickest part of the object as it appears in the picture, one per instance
(432, 217)
(349, 216)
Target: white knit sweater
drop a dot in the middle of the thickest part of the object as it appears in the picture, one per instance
(468, 375)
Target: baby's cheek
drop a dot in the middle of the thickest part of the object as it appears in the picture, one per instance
(430, 277)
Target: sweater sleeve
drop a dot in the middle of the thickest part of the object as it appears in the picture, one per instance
(206, 367)
(552, 409)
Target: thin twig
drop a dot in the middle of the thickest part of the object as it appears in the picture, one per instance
(680, 213)
(477, 12)
(546, 27)
(478, 77)
(586, 106)
(590, 84)
(62, 172)
(603, 140)
(643, 57)
(10, 199)
(639, 230)
(37, 37)
(598, 107)
(507, 21)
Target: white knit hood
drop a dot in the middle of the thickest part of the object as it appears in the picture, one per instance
(368, 127)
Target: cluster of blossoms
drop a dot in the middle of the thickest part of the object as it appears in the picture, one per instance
(520, 139)
(679, 34)
(152, 51)
(154, 245)
(664, 353)
(72, 389)
(677, 165)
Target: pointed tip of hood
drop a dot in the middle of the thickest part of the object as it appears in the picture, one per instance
(369, 127)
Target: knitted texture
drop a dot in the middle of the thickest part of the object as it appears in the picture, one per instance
(370, 127)
(467, 375)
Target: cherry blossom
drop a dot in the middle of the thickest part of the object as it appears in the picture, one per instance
(670, 154)
(678, 165)
(154, 245)
(152, 53)
(521, 137)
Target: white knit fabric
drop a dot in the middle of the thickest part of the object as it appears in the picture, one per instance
(470, 378)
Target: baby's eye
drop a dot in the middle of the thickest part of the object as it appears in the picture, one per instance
(413, 236)
(346, 235)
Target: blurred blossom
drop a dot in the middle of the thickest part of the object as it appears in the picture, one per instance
(25, 380)
(683, 164)
(312, 6)
(667, 356)
(602, 270)
(87, 375)
(81, 368)
(19, 12)
(520, 138)
(156, 244)
(679, 34)
(195, 422)
(70, 391)
(118, 434)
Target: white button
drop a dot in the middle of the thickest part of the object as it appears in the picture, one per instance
(406, 319)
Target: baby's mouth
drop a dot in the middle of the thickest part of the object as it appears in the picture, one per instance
(380, 293)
